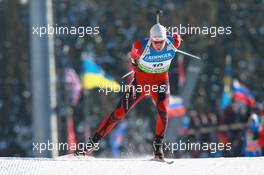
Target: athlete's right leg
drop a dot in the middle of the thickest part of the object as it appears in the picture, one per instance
(129, 99)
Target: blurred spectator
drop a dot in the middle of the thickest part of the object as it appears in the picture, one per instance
(251, 146)
(117, 137)
(261, 130)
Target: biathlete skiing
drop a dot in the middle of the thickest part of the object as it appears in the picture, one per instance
(151, 58)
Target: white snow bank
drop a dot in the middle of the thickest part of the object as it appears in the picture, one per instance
(94, 166)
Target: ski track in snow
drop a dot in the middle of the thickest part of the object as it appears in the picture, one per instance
(140, 166)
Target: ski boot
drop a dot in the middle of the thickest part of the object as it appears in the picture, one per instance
(158, 148)
(89, 147)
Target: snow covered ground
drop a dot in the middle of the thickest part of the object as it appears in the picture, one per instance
(94, 166)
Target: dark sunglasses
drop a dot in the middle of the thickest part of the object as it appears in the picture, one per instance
(158, 42)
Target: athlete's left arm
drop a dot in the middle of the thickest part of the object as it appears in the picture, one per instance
(177, 40)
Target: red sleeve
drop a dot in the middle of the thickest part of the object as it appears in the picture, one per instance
(136, 50)
(177, 40)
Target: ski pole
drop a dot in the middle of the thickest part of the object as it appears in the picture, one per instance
(158, 14)
(188, 54)
(127, 74)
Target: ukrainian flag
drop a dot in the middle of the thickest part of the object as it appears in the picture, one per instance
(94, 77)
(227, 92)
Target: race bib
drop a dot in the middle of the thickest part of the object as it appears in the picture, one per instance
(153, 61)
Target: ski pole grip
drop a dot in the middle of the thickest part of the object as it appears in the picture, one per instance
(158, 14)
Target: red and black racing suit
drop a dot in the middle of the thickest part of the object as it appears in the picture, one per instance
(130, 98)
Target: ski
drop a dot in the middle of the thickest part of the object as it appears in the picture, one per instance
(162, 160)
(73, 156)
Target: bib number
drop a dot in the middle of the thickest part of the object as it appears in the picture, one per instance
(156, 65)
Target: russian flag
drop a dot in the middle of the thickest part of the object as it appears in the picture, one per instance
(176, 107)
(243, 94)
